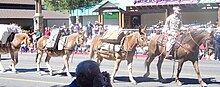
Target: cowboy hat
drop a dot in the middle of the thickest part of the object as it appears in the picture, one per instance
(176, 8)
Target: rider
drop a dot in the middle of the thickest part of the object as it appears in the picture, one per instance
(172, 26)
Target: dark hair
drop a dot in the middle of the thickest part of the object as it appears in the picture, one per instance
(84, 73)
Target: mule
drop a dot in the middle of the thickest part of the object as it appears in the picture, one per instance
(12, 46)
(127, 50)
(185, 49)
(71, 41)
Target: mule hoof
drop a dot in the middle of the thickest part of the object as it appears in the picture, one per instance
(146, 75)
(134, 82)
(112, 81)
(204, 84)
(2, 71)
(15, 72)
(51, 73)
(179, 83)
(69, 75)
(39, 73)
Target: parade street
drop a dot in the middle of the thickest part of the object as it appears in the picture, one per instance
(27, 77)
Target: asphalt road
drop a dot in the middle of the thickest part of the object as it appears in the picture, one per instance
(27, 77)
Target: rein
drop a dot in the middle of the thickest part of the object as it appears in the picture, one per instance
(192, 38)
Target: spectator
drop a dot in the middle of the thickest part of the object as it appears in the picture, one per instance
(76, 28)
(64, 26)
(101, 29)
(47, 32)
(71, 27)
(38, 35)
(88, 75)
(96, 28)
(217, 44)
(89, 28)
(54, 26)
(88, 42)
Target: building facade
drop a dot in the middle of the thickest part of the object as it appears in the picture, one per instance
(22, 12)
(136, 12)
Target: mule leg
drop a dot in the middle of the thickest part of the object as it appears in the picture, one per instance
(196, 67)
(148, 61)
(66, 64)
(14, 57)
(131, 78)
(1, 66)
(159, 63)
(180, 65)
(48, 65)
(38, 60)
(117, 63)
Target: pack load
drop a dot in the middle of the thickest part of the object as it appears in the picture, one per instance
(52, 42)
(113, 36)
(7, 30)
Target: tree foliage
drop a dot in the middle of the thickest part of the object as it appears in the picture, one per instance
(60, 5)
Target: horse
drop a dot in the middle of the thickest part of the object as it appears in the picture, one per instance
(12, 46)
(127, 50)
(185, 49)
(71, 41)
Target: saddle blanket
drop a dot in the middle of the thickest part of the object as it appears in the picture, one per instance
(6, 30)
(110, 47)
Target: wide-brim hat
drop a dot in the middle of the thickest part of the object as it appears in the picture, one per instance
(176, 8)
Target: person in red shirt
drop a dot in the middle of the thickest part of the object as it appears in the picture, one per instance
(47, 32)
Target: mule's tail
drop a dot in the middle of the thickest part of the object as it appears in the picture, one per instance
(36, 57)
(145, 62)
(91, 52)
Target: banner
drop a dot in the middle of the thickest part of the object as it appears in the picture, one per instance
(164, 2)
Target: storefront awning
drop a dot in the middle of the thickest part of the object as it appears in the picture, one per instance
(109, 4)
(84, 11)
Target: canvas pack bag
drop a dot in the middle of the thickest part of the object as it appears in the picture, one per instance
(52, 42)
(113, 36)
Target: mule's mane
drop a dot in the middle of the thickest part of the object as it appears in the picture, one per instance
(187, 36)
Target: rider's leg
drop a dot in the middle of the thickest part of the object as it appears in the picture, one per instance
(169, 46)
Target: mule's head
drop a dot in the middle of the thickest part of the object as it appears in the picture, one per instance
(21, 38)
(27, 39)
(80, 38)
(207, 39)
(142, 37)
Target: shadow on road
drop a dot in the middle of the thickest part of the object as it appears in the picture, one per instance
(186, 81)
(141, 79)
(6, 58)
(55, 72)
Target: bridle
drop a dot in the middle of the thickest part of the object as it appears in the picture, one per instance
(204, 38)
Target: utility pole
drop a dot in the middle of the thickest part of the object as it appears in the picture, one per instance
(38, 17)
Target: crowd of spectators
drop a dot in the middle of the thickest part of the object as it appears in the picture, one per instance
(89, 29)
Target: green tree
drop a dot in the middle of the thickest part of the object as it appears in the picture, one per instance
(62, 5)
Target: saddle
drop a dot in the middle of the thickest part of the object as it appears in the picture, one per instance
(163, 39)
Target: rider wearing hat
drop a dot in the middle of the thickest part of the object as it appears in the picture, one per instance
(172, 27)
